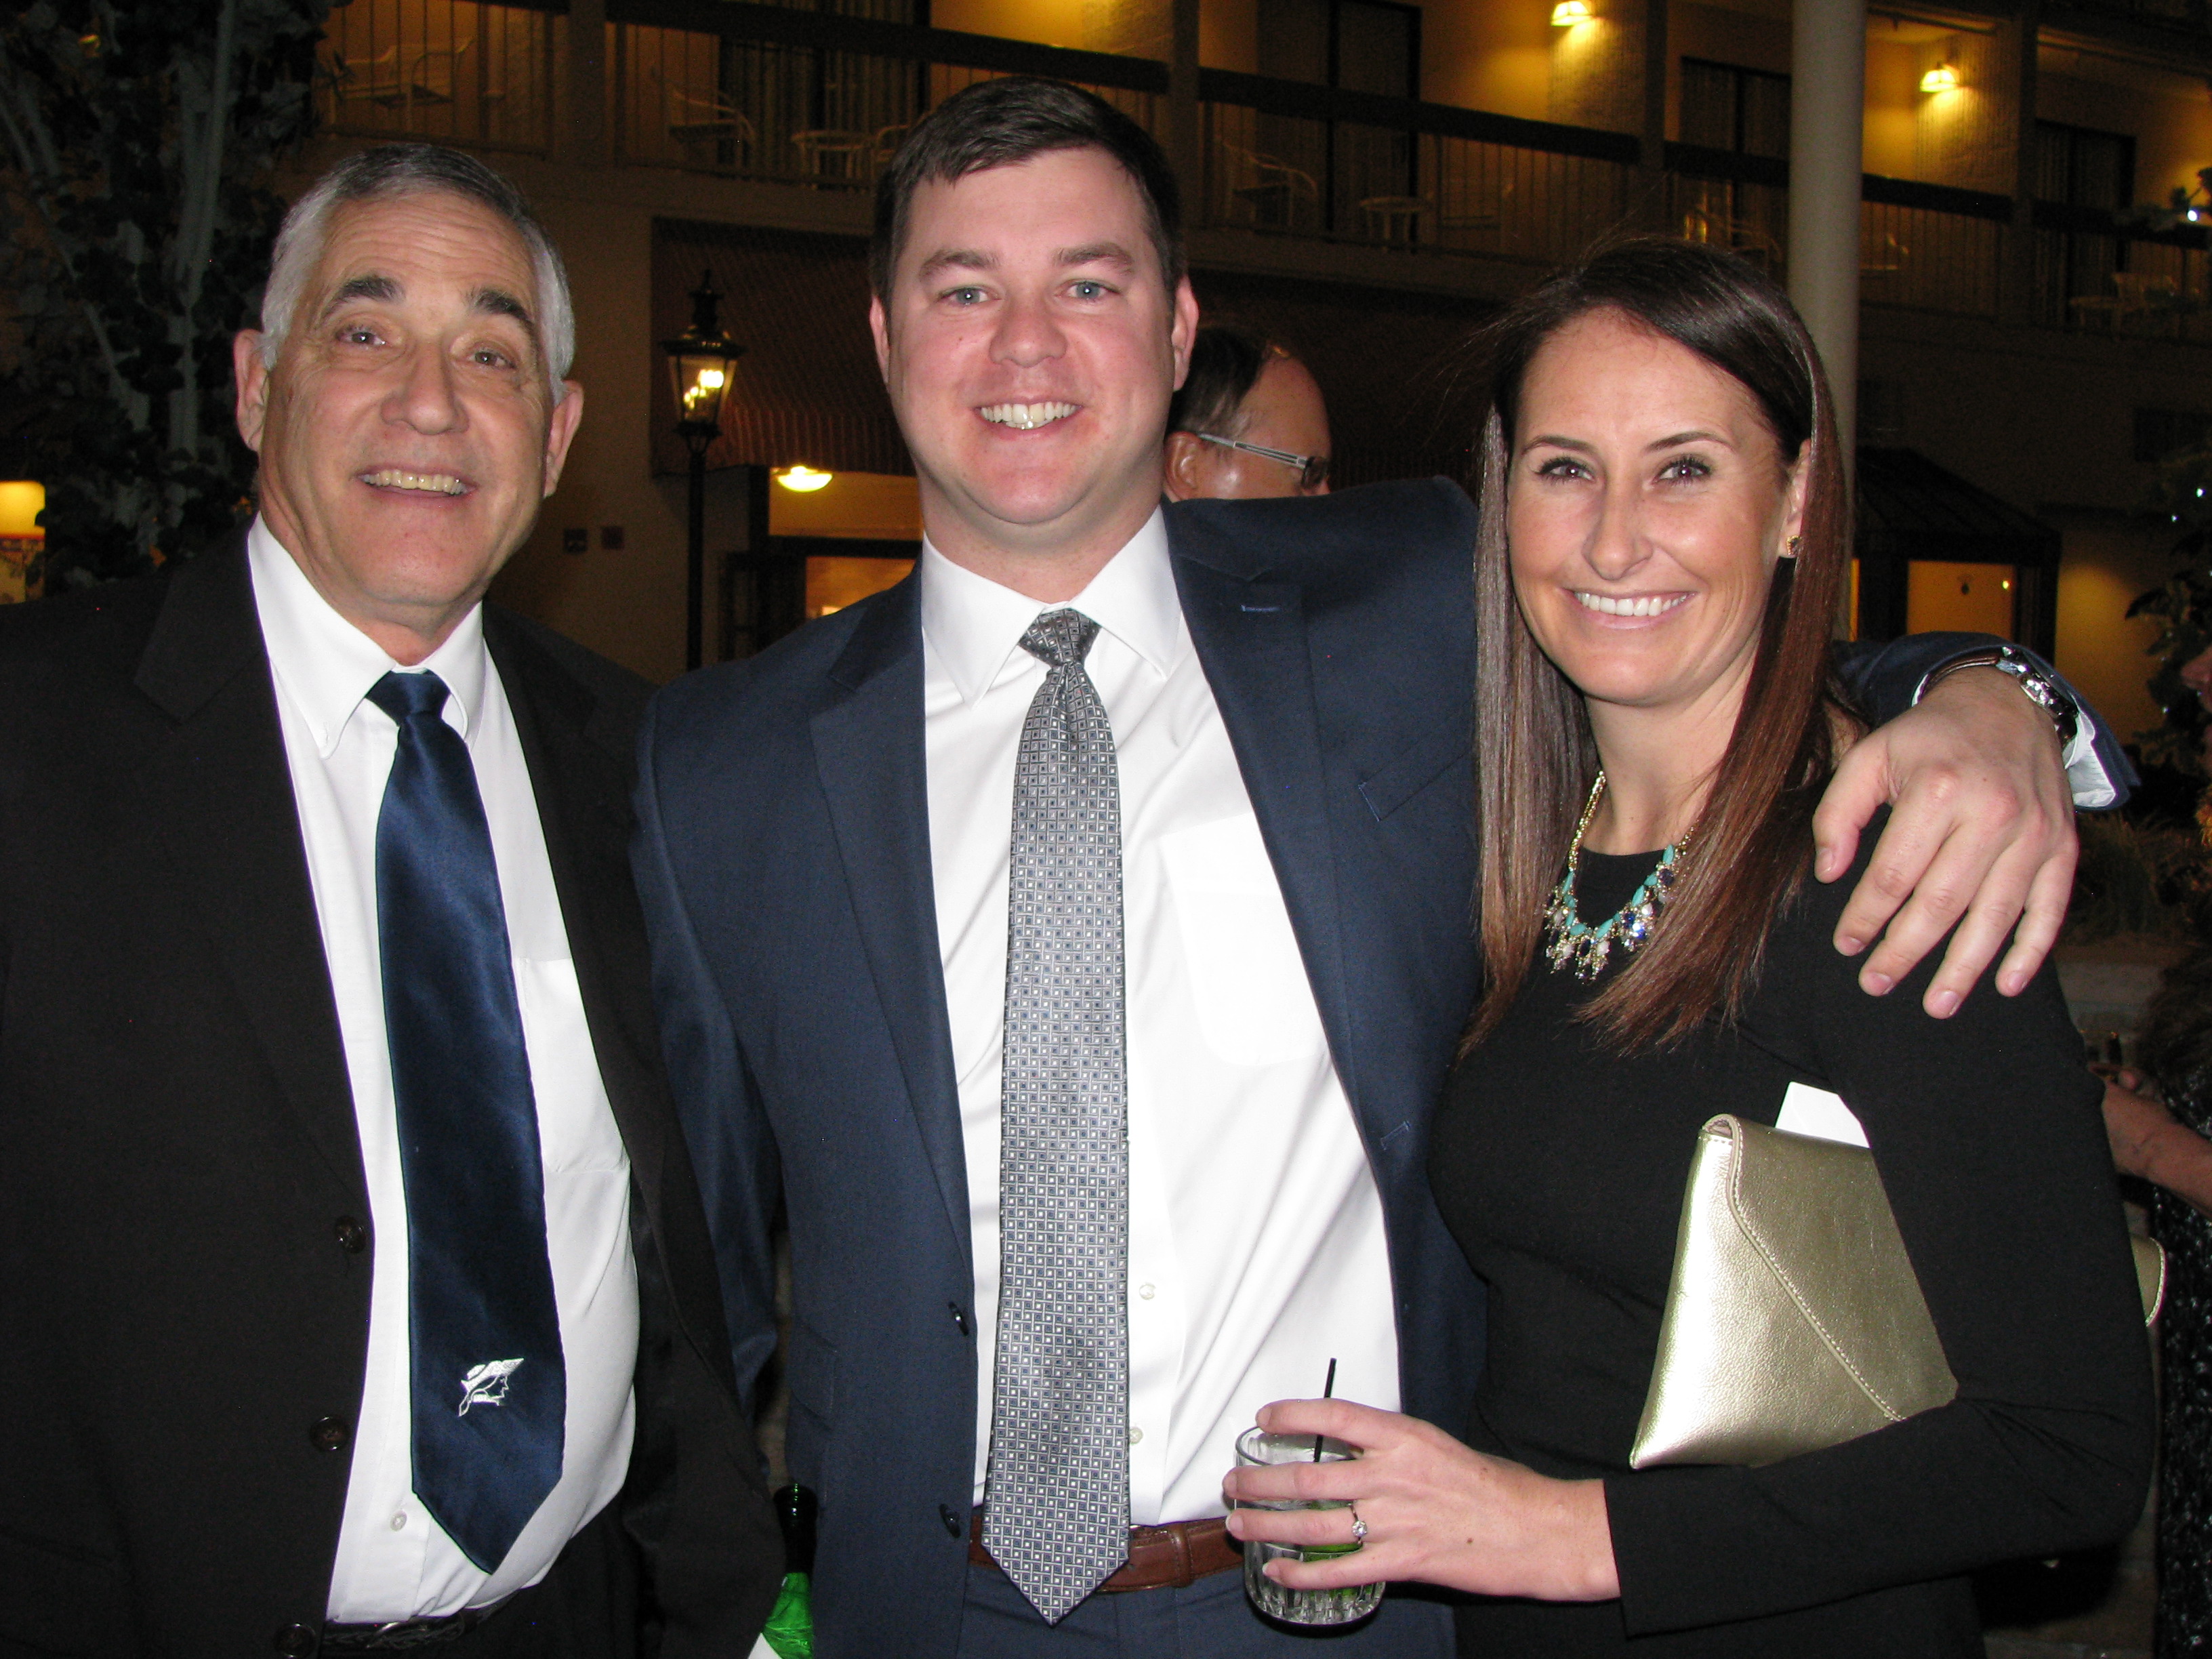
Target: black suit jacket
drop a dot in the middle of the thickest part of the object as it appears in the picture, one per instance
(184, 1268)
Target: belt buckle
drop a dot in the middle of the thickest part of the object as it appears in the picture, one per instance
(403, 1633)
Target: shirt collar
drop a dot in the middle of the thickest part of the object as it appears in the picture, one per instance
(326, 666)
(973, 626)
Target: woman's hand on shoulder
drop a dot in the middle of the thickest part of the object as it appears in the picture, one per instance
(1980, 836)
(1436, 1511)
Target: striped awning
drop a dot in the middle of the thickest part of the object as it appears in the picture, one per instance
(1911, 509)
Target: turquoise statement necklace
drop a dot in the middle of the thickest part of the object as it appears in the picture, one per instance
(1572, 944)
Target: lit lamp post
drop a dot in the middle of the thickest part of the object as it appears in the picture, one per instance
(701, 358)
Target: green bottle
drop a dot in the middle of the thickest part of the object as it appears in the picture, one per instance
(790, 1631)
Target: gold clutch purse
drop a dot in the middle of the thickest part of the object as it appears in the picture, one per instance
(1793, 1320)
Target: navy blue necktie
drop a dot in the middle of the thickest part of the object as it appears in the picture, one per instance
(489, 1391)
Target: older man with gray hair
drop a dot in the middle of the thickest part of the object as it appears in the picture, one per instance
(359, 1292)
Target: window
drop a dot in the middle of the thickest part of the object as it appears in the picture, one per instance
(1744, 111)
(1728, 107)
(2075, 264)
(1361, 45)
(1358, 45)
(2081, 166)
(2160, 433)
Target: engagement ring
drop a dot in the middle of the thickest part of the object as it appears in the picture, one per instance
(1358, 1527)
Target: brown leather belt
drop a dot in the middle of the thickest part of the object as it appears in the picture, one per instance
(1172, 1557)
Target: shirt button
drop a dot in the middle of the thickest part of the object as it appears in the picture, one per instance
(399, 1522)
(1135, 1434)
(1146, 1292)
(352, 1236)
(328, 1434)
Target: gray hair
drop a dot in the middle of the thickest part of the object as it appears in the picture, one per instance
(390, 171)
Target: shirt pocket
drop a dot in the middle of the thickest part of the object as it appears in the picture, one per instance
(1248, 981)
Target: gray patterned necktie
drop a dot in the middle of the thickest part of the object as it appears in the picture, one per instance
(1057, 1514)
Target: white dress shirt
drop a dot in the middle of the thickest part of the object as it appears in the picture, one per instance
(393, 1560)
(1257, 1245)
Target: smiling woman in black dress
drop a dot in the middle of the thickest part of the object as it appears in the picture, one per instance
(1664, 538)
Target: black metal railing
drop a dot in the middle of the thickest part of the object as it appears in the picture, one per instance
(1281, 155)
(777, 93)
(770, 93)
(452, 69)
(2096, 272)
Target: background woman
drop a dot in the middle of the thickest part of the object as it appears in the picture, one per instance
(1664, 536)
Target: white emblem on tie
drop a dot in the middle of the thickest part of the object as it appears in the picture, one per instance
(486, 1384)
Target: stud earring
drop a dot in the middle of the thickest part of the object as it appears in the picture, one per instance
(1791, 551)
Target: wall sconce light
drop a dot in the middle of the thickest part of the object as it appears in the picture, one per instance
(1568, 13)
(804, 479)
(1942, 78)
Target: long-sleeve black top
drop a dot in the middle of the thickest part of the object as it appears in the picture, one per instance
(1560, 1167)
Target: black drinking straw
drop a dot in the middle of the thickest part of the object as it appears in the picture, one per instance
(1328, 1392)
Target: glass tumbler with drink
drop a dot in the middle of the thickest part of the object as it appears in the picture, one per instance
(1257, 1448)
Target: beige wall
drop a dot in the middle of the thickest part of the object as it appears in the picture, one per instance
(1047, 23)
(1892, 104)
(2109, 559)
(874, 504)
(1495, 57)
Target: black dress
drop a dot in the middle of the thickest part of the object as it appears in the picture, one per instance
(1560, 1168)
(2176, 1048)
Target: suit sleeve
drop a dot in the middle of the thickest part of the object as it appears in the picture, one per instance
(1886, 680)
(1986, 1132)
(732, 1150)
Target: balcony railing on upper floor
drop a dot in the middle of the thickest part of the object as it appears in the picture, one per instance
(1316, 161)
(2095, 273)
(768, 93)
(457, 70)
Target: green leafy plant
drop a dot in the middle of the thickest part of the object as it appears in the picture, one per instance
(136, 148)
(2136, 881)
(2183, 606)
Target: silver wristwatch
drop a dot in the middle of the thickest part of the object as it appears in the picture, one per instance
(2041, 690)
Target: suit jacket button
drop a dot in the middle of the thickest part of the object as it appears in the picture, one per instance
(329, 1434)
(352, 1238)
(297, 1641)
(959, 1317)
(952, 1523)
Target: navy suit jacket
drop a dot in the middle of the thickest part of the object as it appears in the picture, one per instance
(783, 858)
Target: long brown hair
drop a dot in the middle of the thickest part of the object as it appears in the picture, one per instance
(1535, 758)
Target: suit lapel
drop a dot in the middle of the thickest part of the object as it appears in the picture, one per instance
(1251, 638)
(219, 787)
(581, 788)
(869, 751)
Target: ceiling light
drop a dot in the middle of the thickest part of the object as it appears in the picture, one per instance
(804, 479)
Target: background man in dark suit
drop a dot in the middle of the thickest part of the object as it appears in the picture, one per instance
(1248, 422)
(358, 1292)
(1124, 855)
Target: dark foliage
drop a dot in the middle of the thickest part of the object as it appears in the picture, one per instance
(135, 147)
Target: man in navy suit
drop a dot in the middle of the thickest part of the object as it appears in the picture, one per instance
(1231, 744)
